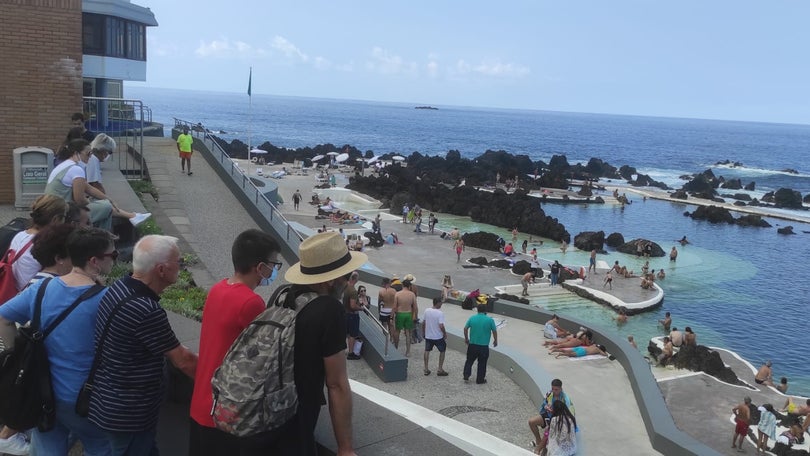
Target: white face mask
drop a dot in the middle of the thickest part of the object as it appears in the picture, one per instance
(268, 280)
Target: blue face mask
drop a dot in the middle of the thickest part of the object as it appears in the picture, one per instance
(268, 280)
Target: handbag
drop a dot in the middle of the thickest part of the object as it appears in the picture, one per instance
(83, 399)
(25, 371)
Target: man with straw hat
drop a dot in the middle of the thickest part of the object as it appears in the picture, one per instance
(320, 341)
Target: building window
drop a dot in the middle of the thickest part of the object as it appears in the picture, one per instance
(113, 37)
(93, 34)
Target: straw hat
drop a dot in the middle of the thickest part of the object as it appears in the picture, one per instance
(324, 257)
(410, 278)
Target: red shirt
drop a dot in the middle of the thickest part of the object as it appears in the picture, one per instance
(228, 310)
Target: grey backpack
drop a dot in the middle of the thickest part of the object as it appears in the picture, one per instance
(254, 388)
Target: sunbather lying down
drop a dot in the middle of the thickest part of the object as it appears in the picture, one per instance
(581, 338)
(577, 352)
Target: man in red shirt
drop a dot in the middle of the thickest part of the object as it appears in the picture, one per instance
(231, 305)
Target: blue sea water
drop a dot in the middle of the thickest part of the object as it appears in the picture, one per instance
(745, 289)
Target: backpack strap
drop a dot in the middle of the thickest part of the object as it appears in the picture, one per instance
(97, 356)
(36, 322)
(11, 256)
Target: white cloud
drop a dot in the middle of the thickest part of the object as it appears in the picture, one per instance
(290, 50)
(225, 48)
(496, 69)
(433, 69)
(386, 63)
(502, 69)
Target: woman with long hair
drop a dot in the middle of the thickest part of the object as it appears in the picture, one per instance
(562, 439)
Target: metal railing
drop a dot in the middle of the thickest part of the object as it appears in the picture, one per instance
(239, 176)
(384, 330)
(124, 120)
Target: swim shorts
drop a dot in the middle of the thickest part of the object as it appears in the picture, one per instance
(385, 317)
(593, 261)
(741, 428)
(353, 324)
(404, 320)
(579, 351)
(185, 154)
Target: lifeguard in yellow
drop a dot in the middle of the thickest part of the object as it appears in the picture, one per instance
(184, 142)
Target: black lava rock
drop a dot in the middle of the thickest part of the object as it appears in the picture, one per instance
(614, 240)
(590, 240)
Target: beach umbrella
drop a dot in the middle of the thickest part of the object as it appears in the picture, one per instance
(373, 159)
(316, 158)
(332, 154)
(398, 158)
(342, 158)
(257, 151)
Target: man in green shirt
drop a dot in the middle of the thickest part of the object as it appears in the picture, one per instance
(476, 336)
(184, 142)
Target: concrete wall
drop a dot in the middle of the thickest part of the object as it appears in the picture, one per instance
(41, 80)
(665, 437)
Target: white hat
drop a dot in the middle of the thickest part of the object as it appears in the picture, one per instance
(324, 257)
(410, 277)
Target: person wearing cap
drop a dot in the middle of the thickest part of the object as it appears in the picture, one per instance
(320, 341)
(764, 374)
(184, 146)
(412, 279)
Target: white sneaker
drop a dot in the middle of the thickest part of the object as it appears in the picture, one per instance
(139, 218)
(16, 444)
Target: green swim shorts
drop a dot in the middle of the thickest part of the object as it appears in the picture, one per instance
(404, 320)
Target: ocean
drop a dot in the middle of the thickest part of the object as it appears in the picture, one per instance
(745, 289)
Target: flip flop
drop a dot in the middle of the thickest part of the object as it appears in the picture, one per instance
(427, 372)
(442, 374)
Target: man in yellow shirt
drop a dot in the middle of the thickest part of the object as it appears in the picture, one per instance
(184, 142)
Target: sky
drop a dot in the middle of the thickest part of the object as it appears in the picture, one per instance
(716, 59)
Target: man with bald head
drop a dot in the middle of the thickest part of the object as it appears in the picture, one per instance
(133, 338)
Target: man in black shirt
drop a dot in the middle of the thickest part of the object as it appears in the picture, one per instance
(320, 340)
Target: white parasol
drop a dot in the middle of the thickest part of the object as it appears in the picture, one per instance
(342, 158)
(316, 158)
(257, 151)
(373, 159)
(332, 154)
(398, 158)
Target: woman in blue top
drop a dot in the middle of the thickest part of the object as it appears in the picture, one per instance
(70, 346)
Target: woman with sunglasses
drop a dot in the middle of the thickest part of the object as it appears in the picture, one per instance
(70, 349)
(362, 297)
(229, 308)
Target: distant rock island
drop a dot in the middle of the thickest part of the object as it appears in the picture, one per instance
(427, 107)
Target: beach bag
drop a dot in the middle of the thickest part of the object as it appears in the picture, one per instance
(254, 388)
(8, 284)
(25, 371)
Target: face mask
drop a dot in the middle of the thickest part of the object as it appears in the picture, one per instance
(268, 280)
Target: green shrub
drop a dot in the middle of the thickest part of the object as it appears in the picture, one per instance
(149, 226)
(187, 301)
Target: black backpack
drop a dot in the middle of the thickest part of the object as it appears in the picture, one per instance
(9, 230)
(25, 371)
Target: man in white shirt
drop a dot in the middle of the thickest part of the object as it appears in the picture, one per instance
(435, 335)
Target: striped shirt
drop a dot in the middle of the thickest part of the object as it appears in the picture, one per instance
(129, 382)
